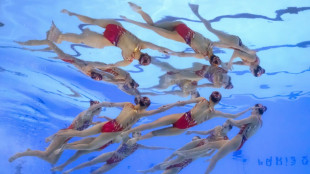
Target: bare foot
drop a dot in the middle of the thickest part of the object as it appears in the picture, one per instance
(14, 157)
(134, 7)
(53, 34)
(66, 12)
(194, 8)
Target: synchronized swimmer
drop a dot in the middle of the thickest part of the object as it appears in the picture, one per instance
(114, 35)
(96, 70)
(216, 145)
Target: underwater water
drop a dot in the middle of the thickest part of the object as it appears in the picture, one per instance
(40, 95)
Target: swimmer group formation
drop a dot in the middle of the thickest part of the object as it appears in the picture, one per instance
(216, 145)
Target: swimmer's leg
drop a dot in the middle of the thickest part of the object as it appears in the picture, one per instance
(163, 121)
(100, 22)
(56, 143)
(76, 155)
(88, 37)
(219, 34)
(101, 140)
(221, 153)
(32, 42)
(169, 131)
(172, 171)
(105, 168)
(96, 129)
(144, 15)
(71, 159)
(173, 35)
(102, 158)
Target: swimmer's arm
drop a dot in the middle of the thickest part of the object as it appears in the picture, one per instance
(155, 47)
(106, 117)
(239, 123)
(98, 65)
(208, 153)
(238, 63)
(227, 115)
(166, 107)
(120, 63)
(153, 147)
(182, 54)
(200, 132)
(208, 85)
(189, 145)
(197, 151)
(107, 104)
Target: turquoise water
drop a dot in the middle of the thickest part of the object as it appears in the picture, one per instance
(40, 95)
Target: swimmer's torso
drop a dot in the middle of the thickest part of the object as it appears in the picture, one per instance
(128, 116)
(201, 111)
(250, 129)
(130, 46)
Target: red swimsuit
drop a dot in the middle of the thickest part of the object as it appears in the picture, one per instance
(68, 60)
(106, 145)
(185, 162)
(186, 33)
(113, 33)
(125, 149)
(112, 126)
(112, 71)
(242, 133)
(185, 122)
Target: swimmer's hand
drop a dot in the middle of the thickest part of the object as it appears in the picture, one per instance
(124, 134)
(134, 7)
(124, 17)
(165, 50)
(181, 103)
(189, 132)
(132, 141)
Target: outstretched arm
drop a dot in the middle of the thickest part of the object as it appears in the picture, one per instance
(227, 115)
(155, 47)
(188, 146)
(106, 117)
(154, 147)
(166, 107)
(106, 104)
(183, 54)
(239, 123)
(200, 132)
(208, 85)
(239, 63)
(121, 63)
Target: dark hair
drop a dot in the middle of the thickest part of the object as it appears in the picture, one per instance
(212, 58)
(92, 102)
(197, 137)
(145, 59)
(143, 101)
(93, 75)
(229, 85)
(215, 96)
(261, 110)
(258, 71)
(133, 83)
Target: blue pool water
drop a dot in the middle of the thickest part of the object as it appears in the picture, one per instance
(40, 95)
